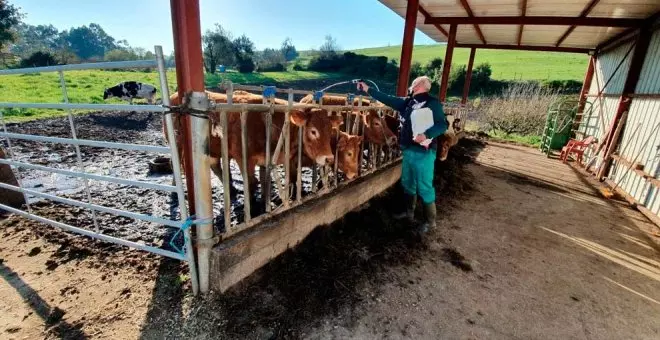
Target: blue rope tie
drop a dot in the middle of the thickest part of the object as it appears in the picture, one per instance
(186, 225)
(270, 91)
(349, 99)
(318, 95)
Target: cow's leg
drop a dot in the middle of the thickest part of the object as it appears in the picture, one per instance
(256, 207)
(217, 170)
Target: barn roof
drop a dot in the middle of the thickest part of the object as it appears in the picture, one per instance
(570, 25)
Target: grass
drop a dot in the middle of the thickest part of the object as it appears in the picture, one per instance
(529, 140)
(88, 87)
(507, 65)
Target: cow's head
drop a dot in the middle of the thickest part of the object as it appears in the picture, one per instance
(106, 94)
(348, 151)
(445, 142)
(317, 134)
(376, 130)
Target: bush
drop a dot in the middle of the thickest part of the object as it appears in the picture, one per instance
(298, 67)
(521, 109)
(564, 86)
(38, 59)
(271, 67)
(245, 65)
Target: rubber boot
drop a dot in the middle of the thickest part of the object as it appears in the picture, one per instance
(430, 215)
(409, 214)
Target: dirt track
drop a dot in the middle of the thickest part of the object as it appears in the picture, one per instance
(527, 251)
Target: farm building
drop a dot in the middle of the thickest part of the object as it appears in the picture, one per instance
(224, 240)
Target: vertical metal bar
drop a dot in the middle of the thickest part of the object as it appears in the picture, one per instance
(74, 135)
(360, 126)
(336, 165)
(287, 149)
(315, 175)
(356, 124)
(226, 169)
(244, 164)
(446, 67)
(412, 10)
(12, 156)
(468, 77)
(176, 168)
(301, 131)
(268, 165)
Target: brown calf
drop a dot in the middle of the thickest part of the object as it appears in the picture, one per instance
(317, 125)
(375, 129)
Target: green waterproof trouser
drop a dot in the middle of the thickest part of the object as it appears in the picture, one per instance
(417, 174)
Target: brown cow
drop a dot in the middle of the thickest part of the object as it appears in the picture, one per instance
(316, 141)
(375, 129)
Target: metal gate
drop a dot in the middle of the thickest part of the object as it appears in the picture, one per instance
(182, 225)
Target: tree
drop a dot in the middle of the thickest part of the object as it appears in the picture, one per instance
(89, 41)
(38, 59)
(218, 48)
(288, 50)
(244, 54)
(119, 54)
(35, 38)
(10, 17)
(329, 47)
(271, 60)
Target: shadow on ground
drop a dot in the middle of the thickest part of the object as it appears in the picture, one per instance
(332, 271)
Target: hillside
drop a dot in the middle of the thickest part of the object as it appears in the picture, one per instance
(506, 65)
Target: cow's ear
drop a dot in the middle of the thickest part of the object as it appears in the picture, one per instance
(343, 140)
(359, 139)
(336, 121)
(299, 118)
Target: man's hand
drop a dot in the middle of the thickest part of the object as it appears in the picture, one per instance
(420, 138)
(361, 86)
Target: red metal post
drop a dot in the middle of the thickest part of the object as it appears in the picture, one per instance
(407, 47)
(468, 76)
(446, 67)
(639, 55)
(586, 84)
(189, 73)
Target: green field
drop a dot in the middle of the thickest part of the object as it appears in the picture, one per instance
(506, 65)
(88, 86)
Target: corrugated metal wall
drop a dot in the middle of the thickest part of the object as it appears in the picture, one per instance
(597, 121)
(640, 141)
(641, 138)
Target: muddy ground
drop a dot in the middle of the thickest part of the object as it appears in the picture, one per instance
(523, 249)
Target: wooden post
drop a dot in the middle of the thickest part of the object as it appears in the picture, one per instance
(468, 76)
(407, 47)
(641, 48)
(446, 67)
(9, 197)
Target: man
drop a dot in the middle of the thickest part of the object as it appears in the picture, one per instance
(419, 151)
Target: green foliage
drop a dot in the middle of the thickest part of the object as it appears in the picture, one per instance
(218, 48)
(9, 18)
(288, 50)
(38, 59)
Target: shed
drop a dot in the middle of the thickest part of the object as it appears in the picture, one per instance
(620, 98)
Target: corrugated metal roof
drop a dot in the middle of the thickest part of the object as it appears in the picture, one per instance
(581, 37)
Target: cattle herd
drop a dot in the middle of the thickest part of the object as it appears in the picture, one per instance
(321, 140)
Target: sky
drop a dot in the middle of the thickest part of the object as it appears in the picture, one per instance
(145, 23)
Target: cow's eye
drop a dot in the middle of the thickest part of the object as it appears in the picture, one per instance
(349, 154)
(314, 133)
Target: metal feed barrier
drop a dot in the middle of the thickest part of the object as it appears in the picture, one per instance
(182, 225)
(353, 125)
(371, 159)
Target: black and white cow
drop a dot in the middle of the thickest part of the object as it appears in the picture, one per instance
(131, 89)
